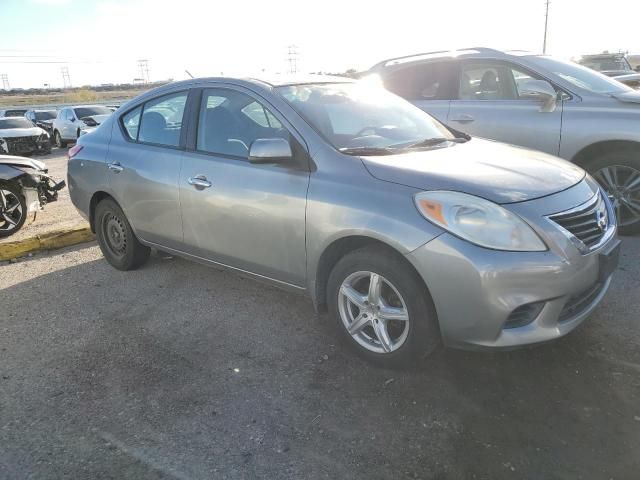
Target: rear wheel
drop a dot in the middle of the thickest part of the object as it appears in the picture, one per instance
(117, 241)
(13, 209)
(382, 307)
(619, 175)
(58, 139)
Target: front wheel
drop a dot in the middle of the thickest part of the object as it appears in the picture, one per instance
(117, 241)
(58, 139)
(382, 307)
(619, 175)
(13, 209)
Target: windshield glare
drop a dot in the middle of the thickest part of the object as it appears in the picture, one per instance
(17, 122)
(88, 111)
(581, 77)
(357, 115)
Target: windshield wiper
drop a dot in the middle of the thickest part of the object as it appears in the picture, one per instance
(431, 142)
(368, 150)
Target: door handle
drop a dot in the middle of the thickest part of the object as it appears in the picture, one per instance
(115, 167)
(462, 118)
(200, 182)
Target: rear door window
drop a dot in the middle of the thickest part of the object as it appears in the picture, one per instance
(161, 121)
(426, 81)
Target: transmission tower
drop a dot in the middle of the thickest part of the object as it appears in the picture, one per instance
(143, 64)
(292, 58)
(66, 78)
(5, 81)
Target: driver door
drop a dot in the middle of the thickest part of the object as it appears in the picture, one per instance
(246, 216)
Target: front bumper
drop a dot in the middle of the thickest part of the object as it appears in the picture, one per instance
(477, 291)
(25, 145)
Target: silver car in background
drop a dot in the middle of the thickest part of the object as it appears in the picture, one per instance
(72, 122)
(534, 101)
(406, 231)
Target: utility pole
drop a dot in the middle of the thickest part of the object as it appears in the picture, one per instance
(5, 81)
(66, 78)
(143, 64)
(546, 22)
(292, 58)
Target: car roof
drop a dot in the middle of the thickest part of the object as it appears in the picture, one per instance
(473, 52)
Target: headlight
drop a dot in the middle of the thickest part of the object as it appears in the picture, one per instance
(478, 221)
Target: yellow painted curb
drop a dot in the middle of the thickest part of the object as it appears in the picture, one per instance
(45, 241)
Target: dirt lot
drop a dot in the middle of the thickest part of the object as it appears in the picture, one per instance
(57, 215)
(177, 371)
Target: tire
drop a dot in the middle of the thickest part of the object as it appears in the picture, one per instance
(11, 199)
(60, 143)
(117, 241)
(622, 166)
(401, 286)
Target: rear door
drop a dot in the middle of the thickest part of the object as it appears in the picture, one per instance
(144, 162)
(430, 86)
(247, 216)
(488, 105)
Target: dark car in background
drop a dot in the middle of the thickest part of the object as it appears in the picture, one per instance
(614, 65)
(18, 136)
(43, 119)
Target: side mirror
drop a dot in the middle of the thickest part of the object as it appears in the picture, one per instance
(540, 90)
(72, 119)
(270, 150)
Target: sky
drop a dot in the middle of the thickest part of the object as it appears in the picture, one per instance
(101, 41)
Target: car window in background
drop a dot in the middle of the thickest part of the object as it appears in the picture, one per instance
(261, 115)
(131, 122)
(82, 112)
(15, 122)
(232, 121)
(357, 115)
(45, 115)
(161, 121)
(14, 113)
(429, 81)
(580, 76)
(69, 115)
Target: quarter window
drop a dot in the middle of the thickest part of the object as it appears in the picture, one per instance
(131, 122)
(161, 121)
(230, 121)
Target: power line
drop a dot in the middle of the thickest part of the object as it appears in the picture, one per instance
(143, 64)
(546, 22)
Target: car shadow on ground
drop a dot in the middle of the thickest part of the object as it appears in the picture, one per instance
(180, 371)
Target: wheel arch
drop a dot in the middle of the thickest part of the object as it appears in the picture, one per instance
(96, 198)
(337, 250)
(593, 151)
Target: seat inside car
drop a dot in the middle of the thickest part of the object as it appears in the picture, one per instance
(221, 132)
(153, 128)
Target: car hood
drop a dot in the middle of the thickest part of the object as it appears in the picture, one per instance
(628, 97)
(22, 162)
(495, 171)
(21, 132)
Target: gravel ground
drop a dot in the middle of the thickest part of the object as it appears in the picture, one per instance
(178, 371)
(57, 215)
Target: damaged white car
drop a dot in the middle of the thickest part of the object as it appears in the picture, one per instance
(25, 188)
(72, 122)
(18, 136)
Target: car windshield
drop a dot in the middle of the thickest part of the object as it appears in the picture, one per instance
(89, 111)
(362, 115)
(581, 77)
(46, 115)
(604, 64)
(17, 122)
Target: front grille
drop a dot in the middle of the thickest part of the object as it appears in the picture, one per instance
(580, 302)
(588, 222)
(21, 144)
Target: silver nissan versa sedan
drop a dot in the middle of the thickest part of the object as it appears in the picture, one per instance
(408, 232)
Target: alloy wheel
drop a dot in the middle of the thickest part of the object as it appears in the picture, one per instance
(10, 211)
(373, 312)
(622, 184)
